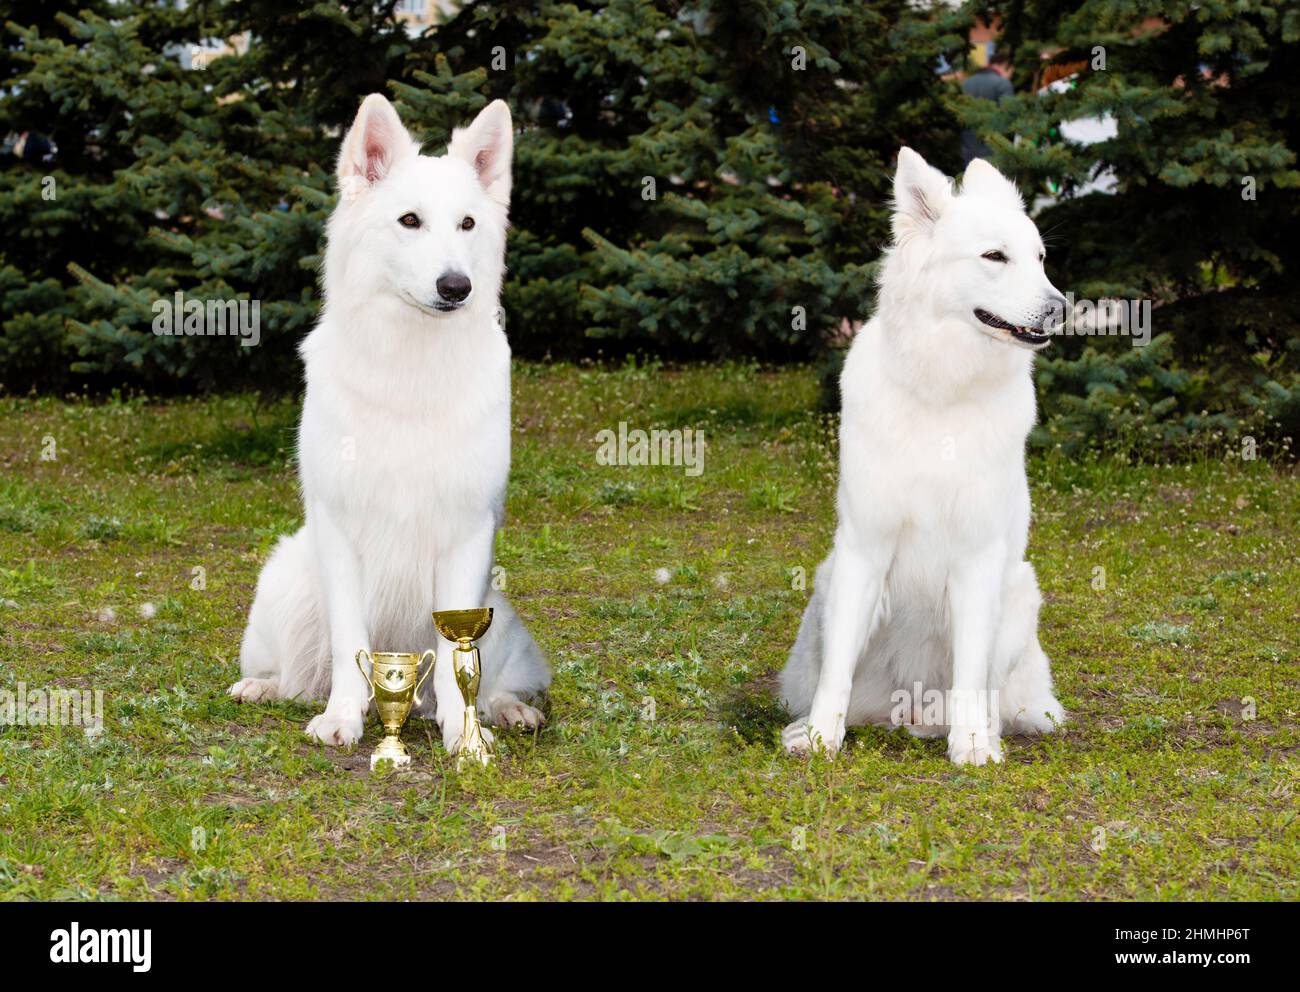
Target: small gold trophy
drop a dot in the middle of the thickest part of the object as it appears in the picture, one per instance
(464, 627)
(394, 688)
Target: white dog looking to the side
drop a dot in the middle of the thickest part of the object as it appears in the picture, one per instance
(927, 581)
(404, 444)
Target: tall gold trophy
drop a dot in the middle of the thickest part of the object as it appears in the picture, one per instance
(465, 627)
(394, 687)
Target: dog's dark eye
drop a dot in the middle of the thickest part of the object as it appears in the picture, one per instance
(409, 220)
(994, 256)
(467, 224)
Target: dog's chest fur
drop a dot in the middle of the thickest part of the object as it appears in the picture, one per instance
(409, 448)
(932, 479)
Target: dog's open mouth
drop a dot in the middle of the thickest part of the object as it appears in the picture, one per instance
(1035, 337)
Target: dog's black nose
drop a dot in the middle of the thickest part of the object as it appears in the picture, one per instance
(454, 287)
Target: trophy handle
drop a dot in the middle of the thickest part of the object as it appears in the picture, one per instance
(364, 674)
(433, 660)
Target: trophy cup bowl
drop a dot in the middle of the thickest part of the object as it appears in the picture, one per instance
(395, 683)
(464, 627)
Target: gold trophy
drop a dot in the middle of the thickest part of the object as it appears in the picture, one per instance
(394, 687)
(465, 627)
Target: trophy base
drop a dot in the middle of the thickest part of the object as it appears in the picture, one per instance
(392, 750)
(474, 747)
(473, 755)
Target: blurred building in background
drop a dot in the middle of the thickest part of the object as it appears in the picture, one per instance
(419, 15)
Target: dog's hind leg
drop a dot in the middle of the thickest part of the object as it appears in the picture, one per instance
(513, 669)
(281, 653)
(799, 676)
(257, 665)
(1026, 701)
(849, 614)
(514, 672)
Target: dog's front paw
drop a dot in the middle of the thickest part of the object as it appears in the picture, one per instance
(338, 726)
(973, 746)
(255, 690)
(512, 714)
(803, 738)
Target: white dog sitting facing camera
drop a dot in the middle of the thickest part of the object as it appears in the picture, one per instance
(404, 445)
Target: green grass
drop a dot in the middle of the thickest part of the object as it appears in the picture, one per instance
(660, 774)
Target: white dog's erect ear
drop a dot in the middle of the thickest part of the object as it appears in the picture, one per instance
(921, 192)
(983, 179)
(487, 145)
(374, 144)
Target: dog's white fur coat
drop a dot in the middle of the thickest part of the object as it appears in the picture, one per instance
(404, 444)
(927, 580)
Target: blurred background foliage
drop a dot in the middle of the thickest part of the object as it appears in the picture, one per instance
(766, 131)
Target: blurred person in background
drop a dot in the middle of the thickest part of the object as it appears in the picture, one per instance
(992, 82)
